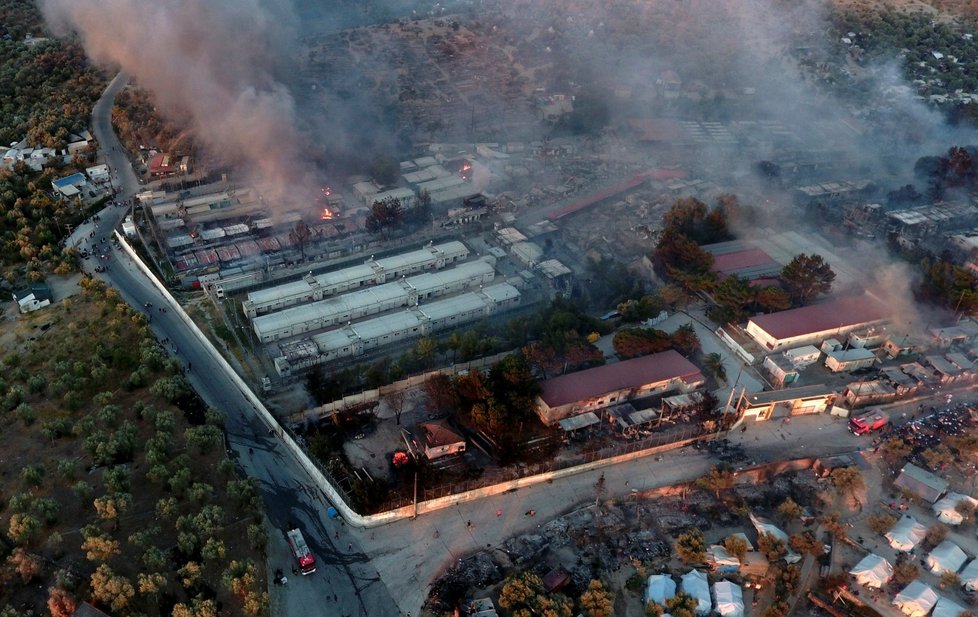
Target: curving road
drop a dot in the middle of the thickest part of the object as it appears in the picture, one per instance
(410, 553)
(345, 572)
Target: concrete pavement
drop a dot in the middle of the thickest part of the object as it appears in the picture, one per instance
(387, 571)
(411, 557)
(291, 495)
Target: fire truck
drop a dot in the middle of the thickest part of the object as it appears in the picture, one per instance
(301, 553)
(868, 422)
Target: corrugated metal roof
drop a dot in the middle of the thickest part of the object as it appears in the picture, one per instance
(921, 482)
(840, 313)
(654, 368)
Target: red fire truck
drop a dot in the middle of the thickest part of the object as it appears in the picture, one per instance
(303, 556)
(868, 422)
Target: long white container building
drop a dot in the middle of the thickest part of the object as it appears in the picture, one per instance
(311, 288)
(414, 322)
(371, 301)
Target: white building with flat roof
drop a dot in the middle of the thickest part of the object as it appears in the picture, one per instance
(370, 301)
(415, 322)
(311, 288)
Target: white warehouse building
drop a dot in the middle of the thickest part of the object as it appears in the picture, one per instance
(370, 301)
(415, 322)
(311, 288)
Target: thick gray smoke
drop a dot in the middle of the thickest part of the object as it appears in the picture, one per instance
(213, 64)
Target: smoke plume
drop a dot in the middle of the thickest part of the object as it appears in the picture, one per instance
(213, 64)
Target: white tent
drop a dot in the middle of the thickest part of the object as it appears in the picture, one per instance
(916, 599)
(946, 557)
(729, 599)
(947, 608)
(969, 576)
(872, 571)
(721, 558)
(946, 508)
(762, 525)
(906, 534)
(660, 588)
(743, 536)
(694, 583)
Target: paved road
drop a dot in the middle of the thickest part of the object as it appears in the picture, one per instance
(344, 571)
(407, 553)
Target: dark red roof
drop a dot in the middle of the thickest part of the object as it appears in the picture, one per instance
(162, 163)
(438, 434)
(633, 373)
(840, 313)
(732, 262)
(556, 579)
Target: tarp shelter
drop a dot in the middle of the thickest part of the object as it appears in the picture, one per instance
(578, 422)
(916, 599)
(743, 536)
(729, 599)
(969, 576)
(721, 559)
(946, 509)
(906, 534)
(762, 525)
(946, 557)
(694, 584)
(947, 608)
(872, 571)
(921, 483)
(661, 587)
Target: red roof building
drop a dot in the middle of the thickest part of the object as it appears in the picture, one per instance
(603, 386)
(815, 323)
(440, 439)
(736, 258)
(163, 165)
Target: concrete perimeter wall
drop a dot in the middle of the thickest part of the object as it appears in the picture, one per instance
(260, 411)
(375, 520)
(374, 395)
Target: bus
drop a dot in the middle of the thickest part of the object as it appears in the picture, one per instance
(303, 556)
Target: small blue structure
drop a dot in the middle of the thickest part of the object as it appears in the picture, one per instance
(69, 186)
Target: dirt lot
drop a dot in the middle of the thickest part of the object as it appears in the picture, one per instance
(623, 542)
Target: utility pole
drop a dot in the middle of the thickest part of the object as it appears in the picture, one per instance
(415, 495)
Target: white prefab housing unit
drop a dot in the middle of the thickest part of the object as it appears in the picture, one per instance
(801, 357)
(412, 323)
(370, 301)
(312, 288)
(849, 359)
